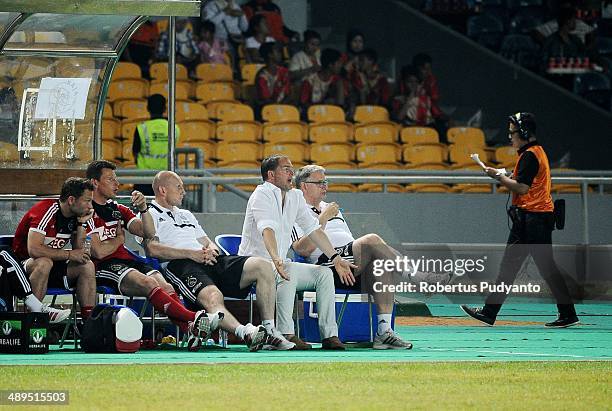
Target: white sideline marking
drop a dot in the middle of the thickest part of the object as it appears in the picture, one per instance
(508, 352)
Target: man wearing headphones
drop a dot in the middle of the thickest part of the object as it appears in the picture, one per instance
(532, 224)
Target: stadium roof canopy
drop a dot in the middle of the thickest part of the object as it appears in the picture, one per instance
(64, 39)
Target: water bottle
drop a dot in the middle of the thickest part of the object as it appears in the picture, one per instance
(87, 245)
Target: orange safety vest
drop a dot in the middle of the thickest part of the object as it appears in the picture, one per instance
(538, 198)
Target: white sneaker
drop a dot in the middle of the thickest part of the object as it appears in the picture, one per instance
(277, 341)
(390, 340)
(55, 315)
(255, 337)
(205, 324)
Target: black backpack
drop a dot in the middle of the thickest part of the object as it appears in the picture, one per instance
(99, 330)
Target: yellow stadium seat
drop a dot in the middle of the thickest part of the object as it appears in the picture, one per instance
(371, 114)
(331, 133)
(325, 113)
(111, 129)
(234, 112)
(159, 72)
(228, 153)
(239, 164)
(378, 188)
(280, 113)
(8, 152)
(128, 127)
(565, 188)
(295, 151)
(341, 188)
(182, 89)
(424, 154)
(419, 135)
(376, 133)
(208, 92)
(186, 111)
(506, 156)
(196, 130)
(126, 89)
(127, 70)
(466, 135)
(132, 109)
(323, 153)
(209, 73)
(375, 154)
(459, 154)
(238, 132)
(440, 188)
(111, 149)
(207, 147)
(335, 165)
(108, 112)
(283, 133)
(249, 71)
(126, 150)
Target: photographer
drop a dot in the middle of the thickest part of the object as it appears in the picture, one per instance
(533, 220)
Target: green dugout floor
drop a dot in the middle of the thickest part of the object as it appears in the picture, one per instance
(469, 341)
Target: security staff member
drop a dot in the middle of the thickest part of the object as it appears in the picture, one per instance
(532, 224)
(150, 146)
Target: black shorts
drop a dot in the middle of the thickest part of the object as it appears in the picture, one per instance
(190, 277)
(58, 276)
(346, 252)
(110, 273)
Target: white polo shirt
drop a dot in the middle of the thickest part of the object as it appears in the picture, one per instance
(336, 229)
(265, 210)
(177, 227)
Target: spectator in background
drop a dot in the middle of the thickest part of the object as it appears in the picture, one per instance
(355, 43)
(187, 51)
(412, 107)
(582, 30)
(230, 24)
(563, 43)
(308, 61)
(141, 48)
(423, 63)
(212, 49)
(274, 18)
(325, 86)
(372, 86)
(258, 35)
(150, 145)
(272, 81)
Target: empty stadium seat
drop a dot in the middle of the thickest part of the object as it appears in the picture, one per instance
(111, 129)
(182, 89)
(111, 149)
(238, 132)
(231, 152)
(249, 71)
(322, 153)
(424, 154)
(186, 111)
(127, 70)
(126, 89)
(297, 152)
(371, 114)
(331, 133)
(419, 136)
(234, 112)
(196, 130)
(471, 136)
(159, 72)
(325, 113)
(376, 133)
(133, 109)
(207, 147)
(209, 92)
(280, 113)
(107, 114)
(208, 73)
(377, 154)
(506, 156)
(284, 132)
(459, 155)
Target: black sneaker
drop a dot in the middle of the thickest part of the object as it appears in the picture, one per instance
(478, 314)
(563, 322)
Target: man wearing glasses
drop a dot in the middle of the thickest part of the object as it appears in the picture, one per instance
(362, 251)
(272, 211)
(532, 224)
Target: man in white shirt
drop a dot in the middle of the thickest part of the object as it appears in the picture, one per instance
(203, 277)
(227, 16)
(272, 211)
(363, 251)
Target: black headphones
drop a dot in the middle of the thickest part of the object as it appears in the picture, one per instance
(517, 120)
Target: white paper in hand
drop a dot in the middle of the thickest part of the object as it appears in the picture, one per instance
(476, 158)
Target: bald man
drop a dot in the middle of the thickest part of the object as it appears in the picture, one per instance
(203, 277)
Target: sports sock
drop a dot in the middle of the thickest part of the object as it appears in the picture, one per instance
(268, 324)
(176, 297)
(384, 323)
(241, 331)
(33, 303)
(164, 303)
(86, 312)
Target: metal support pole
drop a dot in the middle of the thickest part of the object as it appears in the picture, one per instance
(171, 90)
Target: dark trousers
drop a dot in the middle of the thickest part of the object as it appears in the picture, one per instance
(531, 234)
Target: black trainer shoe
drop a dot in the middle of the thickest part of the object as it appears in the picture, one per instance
(478, 314)
(563, 322)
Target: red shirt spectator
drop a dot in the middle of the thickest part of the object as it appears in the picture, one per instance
(273, 16)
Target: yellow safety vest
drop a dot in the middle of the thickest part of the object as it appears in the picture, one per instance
(153, 135)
